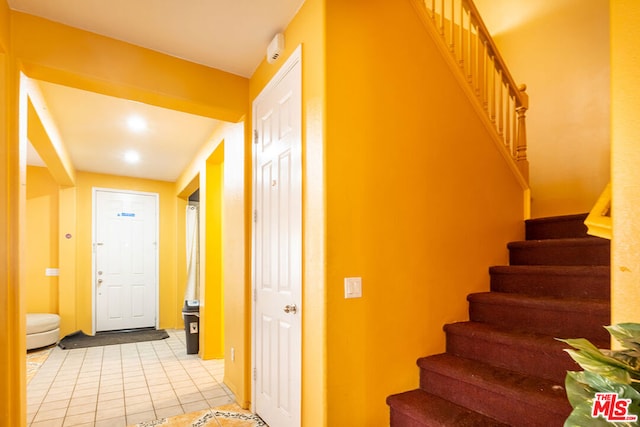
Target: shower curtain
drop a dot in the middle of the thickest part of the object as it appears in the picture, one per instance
(192, 292)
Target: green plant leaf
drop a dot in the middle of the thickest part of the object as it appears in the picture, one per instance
(628, 334)
(579, 344)
(602, 365)
(577, 388)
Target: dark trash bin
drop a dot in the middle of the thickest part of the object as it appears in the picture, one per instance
(191, 316)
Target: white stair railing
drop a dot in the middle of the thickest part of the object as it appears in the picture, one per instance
(458, 25)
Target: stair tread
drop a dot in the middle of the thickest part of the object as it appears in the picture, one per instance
(430, 410)
(558, 218)
(558, 270)
(537, 301)
(503, 335)
(565, 242)
(517, 387)
(526, 352)
(556, 227)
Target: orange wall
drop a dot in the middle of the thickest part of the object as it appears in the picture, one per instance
(419, 204)
(560, 49)
(307, 28)
(41, 241)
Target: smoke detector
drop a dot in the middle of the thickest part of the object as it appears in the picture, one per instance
(275, 48)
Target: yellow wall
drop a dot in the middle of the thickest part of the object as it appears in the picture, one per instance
(211, 288)
(625, 134)
(560, 49)
(308, 29)
(41, 241)
(218, 170)
(419, 204)
(168, 250)
(12, 206)
(59, 54)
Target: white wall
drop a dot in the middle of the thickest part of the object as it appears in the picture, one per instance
(560, 50)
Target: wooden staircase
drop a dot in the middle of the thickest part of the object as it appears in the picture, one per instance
(504, 367)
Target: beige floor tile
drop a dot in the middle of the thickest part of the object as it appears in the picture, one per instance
(110, 388)
(50, 414)
(219, 401)
(111, 409)
(166, 402)
(195, 406)
(51, 406)
(159, 388)
(169, 411)
(112, 422)
(117, 394)
(79, 419)
(49, 423)
(135, 391)
(191, 397)
(140, 398)
(214, 392)
(84, 400)
(138, 407)
(81, 409)
(141, 417)
(85, 392)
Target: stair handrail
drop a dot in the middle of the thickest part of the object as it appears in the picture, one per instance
(458, 24)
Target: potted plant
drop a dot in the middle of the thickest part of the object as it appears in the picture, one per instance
(607, 392)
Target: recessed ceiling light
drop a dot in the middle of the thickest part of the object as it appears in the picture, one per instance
(131, 156)
(137, 124)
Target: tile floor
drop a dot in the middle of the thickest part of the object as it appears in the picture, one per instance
(125, 384)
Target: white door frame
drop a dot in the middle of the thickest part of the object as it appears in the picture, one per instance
(94, 212)
(294, 59)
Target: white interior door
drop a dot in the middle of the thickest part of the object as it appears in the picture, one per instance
(278, 248)
(125, 268)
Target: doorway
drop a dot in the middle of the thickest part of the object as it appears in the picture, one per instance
(277, 264)
(125, 249)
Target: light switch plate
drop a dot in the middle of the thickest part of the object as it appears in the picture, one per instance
(353, 287)
(51, 272)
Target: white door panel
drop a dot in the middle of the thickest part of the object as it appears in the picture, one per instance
(125, 242)
(278, 248)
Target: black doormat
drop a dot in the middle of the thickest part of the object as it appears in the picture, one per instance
(81, 340)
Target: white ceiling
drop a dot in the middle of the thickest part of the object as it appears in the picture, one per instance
(230, 35)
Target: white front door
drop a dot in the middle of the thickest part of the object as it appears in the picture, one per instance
(278, 247)
(125, 267)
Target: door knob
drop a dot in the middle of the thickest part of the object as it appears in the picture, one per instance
(290, 308)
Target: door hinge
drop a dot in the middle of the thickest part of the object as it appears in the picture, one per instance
(255, 374)
(255, 136)
(255, 215)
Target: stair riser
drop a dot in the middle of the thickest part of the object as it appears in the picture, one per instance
(545, 363)
(560, 324)
(559, 228)
(506, 409)
(579, 286)
(560, 255)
